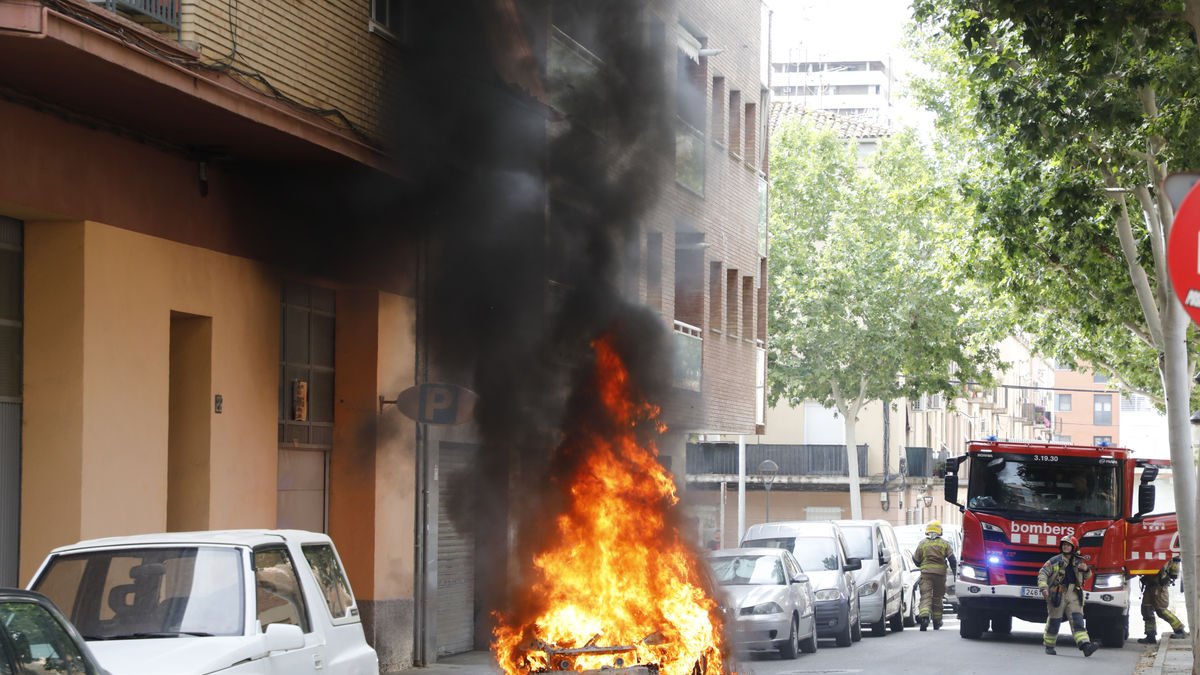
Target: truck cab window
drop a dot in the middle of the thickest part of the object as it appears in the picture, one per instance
(277, 589)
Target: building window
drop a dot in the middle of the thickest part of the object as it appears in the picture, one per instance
(1100, 378)
(716, 306)
(735, 123)
(748, 307)
(389, 15)
(718, 109)
(654, 269)
(1063, 403)
(732, 305)
(1102, 410)
(1058, 438)
(1097, 440)
(751, 136)
(689, 279)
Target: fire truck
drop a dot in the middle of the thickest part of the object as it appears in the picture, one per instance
(1022, 498)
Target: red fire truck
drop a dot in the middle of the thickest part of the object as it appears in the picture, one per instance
(1022, 498)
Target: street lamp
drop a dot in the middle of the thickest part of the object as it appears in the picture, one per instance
(928, 499)
(769, 469)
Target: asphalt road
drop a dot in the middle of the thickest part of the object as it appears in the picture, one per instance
(945, 653)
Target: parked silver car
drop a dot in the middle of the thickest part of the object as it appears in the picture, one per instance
(769, 595)
(821, 551)
(912, 588)
(880, 580)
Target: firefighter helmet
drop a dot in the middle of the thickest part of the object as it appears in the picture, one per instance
(934, 528)
(1068, 539)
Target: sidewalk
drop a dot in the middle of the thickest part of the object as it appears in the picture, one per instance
(470, 663)
(1171, 657)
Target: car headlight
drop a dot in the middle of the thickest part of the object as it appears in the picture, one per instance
(973, 573)
(868, 588)
(1109, 581)
(828, 594)
(764, 608)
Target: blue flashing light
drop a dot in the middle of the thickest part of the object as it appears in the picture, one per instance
(993, 559)
(1103, 444)
(991, 438)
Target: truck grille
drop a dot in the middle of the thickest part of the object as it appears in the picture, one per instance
(1023, 556)
(1020, 579)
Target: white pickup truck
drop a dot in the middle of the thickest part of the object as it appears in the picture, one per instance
(238, 602)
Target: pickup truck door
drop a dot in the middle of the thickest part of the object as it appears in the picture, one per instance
(1152, 539)
(279, 598)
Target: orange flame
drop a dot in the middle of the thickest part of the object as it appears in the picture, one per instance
(618, 573)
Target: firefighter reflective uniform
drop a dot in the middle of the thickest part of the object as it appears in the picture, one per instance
(1061, 580)
(1156, 595)
(932, 556)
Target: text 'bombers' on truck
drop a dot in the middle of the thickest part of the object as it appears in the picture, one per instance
(1022, 498)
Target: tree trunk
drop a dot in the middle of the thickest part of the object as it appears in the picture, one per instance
(852, 463)
(1178, 394)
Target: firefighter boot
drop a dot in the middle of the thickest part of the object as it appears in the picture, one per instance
(1088, 648)
(924, 621)
(1179, 634)
(937, 625)
(1050, 650)
(1148, 640)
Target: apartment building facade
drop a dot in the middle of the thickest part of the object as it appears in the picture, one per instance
(857, 86)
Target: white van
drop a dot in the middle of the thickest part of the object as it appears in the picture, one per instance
(881, 577)
(820, 549)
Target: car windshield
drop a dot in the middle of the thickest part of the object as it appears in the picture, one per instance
(858, 542)
(149, 592)
(747, 570)
(813, 553)
(1044, 486)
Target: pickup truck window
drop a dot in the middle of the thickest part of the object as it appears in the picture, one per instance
(331, 577)
(278, 593)
(143, 592)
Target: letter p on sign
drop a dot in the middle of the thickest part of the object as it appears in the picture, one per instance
(437, 403)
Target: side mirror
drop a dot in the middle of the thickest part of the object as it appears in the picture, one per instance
(885, 557)
(950, 484)
(800, 579)
(1145, 498)
(281, 637)
(1149, 473)
(852, 564)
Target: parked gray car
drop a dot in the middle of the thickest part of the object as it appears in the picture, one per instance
(820, 549)
(880, 580)
(769, 597)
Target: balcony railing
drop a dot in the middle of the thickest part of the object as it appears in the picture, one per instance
(165, 12)
(793, 460)
(689, 353)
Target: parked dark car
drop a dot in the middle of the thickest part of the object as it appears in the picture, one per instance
(38, 639)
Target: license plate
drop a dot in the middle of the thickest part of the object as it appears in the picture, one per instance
(1031, 592)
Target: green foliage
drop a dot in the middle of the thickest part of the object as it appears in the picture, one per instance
(868, 301)
(1068, 115)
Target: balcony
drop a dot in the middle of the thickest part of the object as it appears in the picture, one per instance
(161, 16)
(689, 353)
(794, 461)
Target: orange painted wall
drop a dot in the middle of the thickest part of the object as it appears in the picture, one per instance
(127, 284)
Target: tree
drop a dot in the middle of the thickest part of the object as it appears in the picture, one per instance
(1074, 111)
(864, 305)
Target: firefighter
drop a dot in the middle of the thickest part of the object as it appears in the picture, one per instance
(1156, 594)
(932, 556)
(1061, 580)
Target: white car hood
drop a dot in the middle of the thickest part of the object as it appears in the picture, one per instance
(174, 656)
(823, 579)
(751, 595)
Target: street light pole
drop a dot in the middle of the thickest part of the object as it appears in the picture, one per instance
(769, 470)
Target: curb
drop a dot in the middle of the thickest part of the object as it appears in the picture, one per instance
(1160, 656)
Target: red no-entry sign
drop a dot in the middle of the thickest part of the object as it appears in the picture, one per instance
(1183, 248)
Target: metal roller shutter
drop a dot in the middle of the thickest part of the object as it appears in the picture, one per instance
(456, 560)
